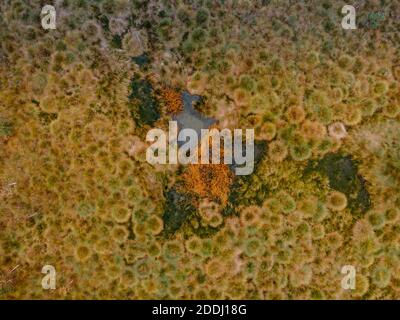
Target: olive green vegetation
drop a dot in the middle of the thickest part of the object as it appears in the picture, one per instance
(6, 128)
(242, 189)
(77, 192)
(145, 108)
(179, 208)
(343, 176)
(46, 117)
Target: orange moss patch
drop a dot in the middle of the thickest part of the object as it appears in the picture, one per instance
(173, 100)
(209, 181)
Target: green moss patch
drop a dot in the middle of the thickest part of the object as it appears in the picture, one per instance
(343, 176)
(144, 107)
(178, 209)
(243, 187)
(6, 128)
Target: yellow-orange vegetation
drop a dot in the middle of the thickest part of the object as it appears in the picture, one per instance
(173, 100)
(209, 181)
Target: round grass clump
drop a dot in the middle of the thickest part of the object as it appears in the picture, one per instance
(345, 62)
(120, 214)
(334, 240)
(276, 221)
(133, 193)
(199, 36)
(85, 209)
(362, 230)
(173, 250)
(253, 247)
(337, 130)
(215, 294)
(155, 224)
(324, 146)
(119, 234)
(183, 15)
(241, 97)
(336, 201)
(316, 294)
(268, 131)
(312, 59)
(139, 229)
(287, 133)
(287, 203)
(295, 217)
(206, 248)
(200, 294)
(272, 205)
(295, 114)
(288, 237)
(392, 215)
(313, 130)
(381, 276)
(376, 219)
(369, 107)
(301, 276)
(236, 290)
(202, 16)
(300, 151)
(284, 256)
(324, 114)
(82, 252)
(380, 88)
(250, 215)
(193, 245)
(154, 249)
(277, 151)
(140, 216)
(321, 212)
(143, 268)
(216, 220)
(188, 47)
(318, 232)
(117, 26)
(221, 240)
(339, 110)
(362, 285)
(303, 229)
(265, 265)
(352, 116)
(175, 290)
(134, 43)
(208, 209)
(214, 268)
(247, 83)
(391, 110)
(103, 246)
(128, 277)
(336, 96)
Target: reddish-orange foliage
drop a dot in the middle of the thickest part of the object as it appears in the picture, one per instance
(209, 181)
(173, 100)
